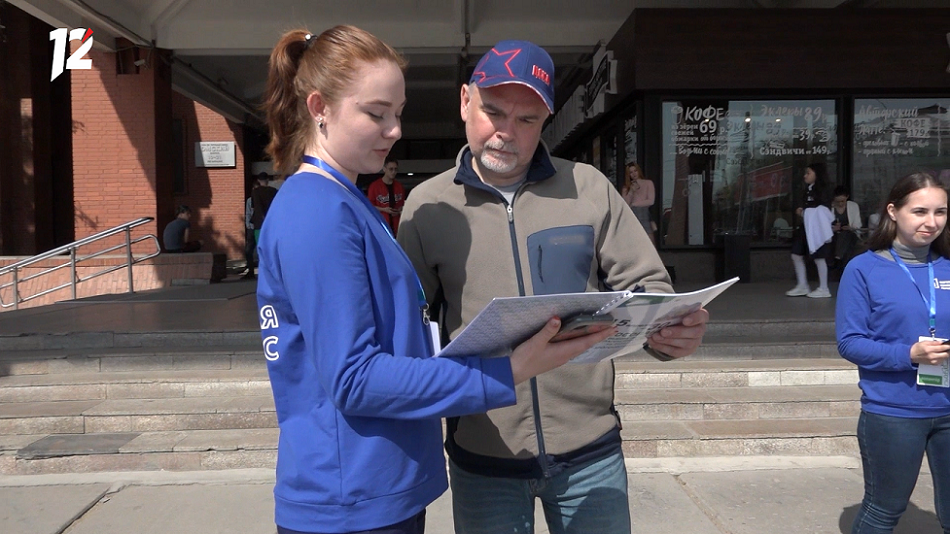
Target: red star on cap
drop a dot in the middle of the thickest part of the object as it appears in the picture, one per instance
(513, 53)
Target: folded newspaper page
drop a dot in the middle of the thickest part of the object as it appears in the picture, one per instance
(507, 322)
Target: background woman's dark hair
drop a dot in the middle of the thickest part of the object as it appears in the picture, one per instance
(886, 232)
(182, 209)
(299, 67)
(822, 187)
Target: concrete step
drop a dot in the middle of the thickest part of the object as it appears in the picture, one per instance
(134, 385)
(187, 340)
(191, 450)
(771, 328)
(691, 373)
(107, 360)
(724, 348)
(811, 437)
(236, 380)
(138, 415)
(250, 340)
(140, 359)
(246, 448)
(738, 403)
(225, 418)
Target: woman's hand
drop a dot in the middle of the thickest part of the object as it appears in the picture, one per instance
(929, 352)
(538, 355)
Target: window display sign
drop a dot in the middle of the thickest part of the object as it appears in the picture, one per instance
(895, 137)
(735, 164)
(630, 139)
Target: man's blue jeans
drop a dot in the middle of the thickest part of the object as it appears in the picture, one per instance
(892, 449)
(589, 498)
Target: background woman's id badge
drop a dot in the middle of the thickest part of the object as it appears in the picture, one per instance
(933, 375)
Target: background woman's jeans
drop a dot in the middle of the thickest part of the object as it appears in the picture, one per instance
(587, 499)
(892, 449)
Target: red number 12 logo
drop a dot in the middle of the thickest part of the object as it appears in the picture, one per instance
(76, 59)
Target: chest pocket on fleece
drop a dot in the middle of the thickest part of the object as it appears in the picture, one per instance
(560, 259)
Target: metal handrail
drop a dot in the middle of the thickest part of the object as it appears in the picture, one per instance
(74, 259)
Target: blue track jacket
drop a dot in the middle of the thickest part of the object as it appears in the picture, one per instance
(879, 315)
(359, 397)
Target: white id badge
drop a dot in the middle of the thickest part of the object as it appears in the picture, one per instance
(933, 375)
(436, 338)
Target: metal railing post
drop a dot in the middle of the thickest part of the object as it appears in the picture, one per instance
(72, 270)
(16, 290)
(128, 250)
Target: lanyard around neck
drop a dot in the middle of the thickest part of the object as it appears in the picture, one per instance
(932, 304)
(345, 182)
(351, 188)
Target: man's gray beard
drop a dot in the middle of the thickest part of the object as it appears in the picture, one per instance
(496, 165)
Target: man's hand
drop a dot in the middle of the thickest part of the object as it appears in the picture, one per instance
(683, 339)
(538, 355)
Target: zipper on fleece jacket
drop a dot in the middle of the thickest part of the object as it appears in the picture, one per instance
(535, 403)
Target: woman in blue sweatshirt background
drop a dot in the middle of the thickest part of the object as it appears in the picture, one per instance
(344, 323)
(893, 305)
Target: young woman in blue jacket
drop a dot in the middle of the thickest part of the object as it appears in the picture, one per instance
(344, 322)
(893, 312)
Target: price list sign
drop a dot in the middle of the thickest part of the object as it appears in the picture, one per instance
(730, 165)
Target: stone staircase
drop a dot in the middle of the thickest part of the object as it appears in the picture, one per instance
(187, 403)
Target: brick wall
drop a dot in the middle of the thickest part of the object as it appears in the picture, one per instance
(161, 271)
(215, 195)
(114, 152)
(121, 126)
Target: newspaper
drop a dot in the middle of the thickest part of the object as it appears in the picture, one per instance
(507, 322)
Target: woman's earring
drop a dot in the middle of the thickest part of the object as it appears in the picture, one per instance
(320, 123)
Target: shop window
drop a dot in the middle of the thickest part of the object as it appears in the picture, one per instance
(595, 154)
(610, 158)
(630, 139)
(735, 166)
(894, 137)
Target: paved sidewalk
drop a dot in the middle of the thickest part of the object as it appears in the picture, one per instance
(750, 495)
(231, 308)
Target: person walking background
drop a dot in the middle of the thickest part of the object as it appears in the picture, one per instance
(893, 310)
(343, 318)
(387, 194)
(250, 242)
(639, 193)
(261, 198)
(815, 197)
(847, 224)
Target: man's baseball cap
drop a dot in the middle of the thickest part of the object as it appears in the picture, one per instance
(517, 62)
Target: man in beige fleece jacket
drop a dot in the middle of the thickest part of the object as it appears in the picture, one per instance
(511, 220)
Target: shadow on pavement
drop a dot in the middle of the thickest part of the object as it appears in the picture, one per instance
(914, 520)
